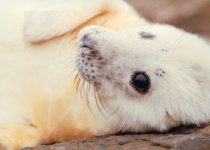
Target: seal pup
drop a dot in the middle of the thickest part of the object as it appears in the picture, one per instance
(39, 100)
(133, 75)
(159, 71)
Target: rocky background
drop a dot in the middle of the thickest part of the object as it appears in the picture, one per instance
(192, 16)
(182, 138)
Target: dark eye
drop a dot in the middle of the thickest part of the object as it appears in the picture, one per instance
(141, 82)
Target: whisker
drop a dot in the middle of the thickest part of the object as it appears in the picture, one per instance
(73, 38)
(81, 88)
(100, 99)
(78, 83)
(85, 92)
(76, 78)
(88, 104)
(97, 99)
(74, 69)
(84, 88)
(105, 21)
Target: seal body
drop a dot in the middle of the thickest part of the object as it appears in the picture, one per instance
(39, 99)
(61, 84)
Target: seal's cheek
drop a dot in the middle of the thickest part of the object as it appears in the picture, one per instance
(201, 75)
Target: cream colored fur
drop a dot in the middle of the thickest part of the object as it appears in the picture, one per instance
(39, 101)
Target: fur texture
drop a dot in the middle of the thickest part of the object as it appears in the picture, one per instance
(44, 100)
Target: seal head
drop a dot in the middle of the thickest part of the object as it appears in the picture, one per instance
(152, 78)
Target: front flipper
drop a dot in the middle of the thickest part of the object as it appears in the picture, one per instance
(16, 136)
(61, 18)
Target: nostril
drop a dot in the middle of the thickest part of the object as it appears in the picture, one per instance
(88, 41)
(85, 37)
(89, 37)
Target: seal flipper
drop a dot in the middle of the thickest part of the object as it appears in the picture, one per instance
(44, 25)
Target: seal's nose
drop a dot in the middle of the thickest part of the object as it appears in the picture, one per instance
(87, 37)
(87, 40)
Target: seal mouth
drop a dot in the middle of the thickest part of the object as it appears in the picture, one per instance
(85, 46)
(86, 42)
(89, 64)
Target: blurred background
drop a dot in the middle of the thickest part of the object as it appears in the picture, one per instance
(190, 15)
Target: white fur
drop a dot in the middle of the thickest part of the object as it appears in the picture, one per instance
(181, 96)
(57, 20)
(37, 78)
(64, 16)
